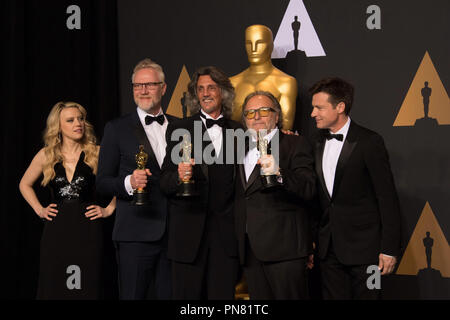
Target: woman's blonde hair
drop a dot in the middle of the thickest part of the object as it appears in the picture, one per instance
(53, 141)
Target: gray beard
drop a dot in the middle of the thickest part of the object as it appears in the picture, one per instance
(148, 108)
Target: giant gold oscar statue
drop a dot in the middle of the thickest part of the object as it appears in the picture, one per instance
(262, 75)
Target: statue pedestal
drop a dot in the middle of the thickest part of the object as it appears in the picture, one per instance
(426, 123)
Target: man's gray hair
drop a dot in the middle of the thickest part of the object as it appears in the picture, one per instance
(149, 64)
(224, 83)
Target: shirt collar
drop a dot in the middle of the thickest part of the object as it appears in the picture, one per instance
(344, 129)
(142, 114)
(207, 116)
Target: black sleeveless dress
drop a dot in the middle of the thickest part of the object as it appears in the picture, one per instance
(71, 244)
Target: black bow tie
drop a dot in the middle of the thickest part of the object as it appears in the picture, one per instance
(150, 119)
(330, 136)
(210, 122)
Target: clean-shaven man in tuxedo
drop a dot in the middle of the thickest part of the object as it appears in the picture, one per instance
(140, 232)
(273, 227)
(360, 221)
(202, 242)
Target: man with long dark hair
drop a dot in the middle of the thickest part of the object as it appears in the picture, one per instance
(202, 243)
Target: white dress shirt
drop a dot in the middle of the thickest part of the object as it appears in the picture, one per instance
(330, 157)
(252, 156)
(215, 132)
(156, 135)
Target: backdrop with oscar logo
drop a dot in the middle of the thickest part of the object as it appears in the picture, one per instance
(394, 52)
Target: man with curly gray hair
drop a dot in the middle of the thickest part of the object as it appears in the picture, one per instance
(202, 242)
(273, 225)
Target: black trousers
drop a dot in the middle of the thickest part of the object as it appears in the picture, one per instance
(284, 280)
(345, 282)
(213, 275)
(144, 270)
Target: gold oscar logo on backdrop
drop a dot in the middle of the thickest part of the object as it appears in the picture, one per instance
(426, 102)
(176, 107)
(428, 251)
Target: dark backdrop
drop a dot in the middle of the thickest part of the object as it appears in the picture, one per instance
(44, 62)
(380, 63)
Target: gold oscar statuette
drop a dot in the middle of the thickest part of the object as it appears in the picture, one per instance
(261, 75)
(186, 185)
(140, 195)
(269, 178)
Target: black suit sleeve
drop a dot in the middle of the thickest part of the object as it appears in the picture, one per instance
(378, 165)
(109, 182)
(169, 170)
(299, 177)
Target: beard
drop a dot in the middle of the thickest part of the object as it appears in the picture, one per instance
(148, 106)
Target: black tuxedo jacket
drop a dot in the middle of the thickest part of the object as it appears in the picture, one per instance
(119, 146)
(362, 215)
(187, 216)
(277, 222)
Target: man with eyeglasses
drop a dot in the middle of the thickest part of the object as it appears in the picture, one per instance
(140, 232)
(202, 242)
(272, 226)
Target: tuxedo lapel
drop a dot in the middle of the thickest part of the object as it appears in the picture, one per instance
(253, 177)
(203, 165)
(274, 149)
(254, 181)
(140, 134)
(241, 162)
(229, 140)
(242, 174)
(320, 146)
(349, 145)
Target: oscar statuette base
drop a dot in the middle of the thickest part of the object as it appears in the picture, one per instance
(187, 189)
(270, 182)
(140, 198)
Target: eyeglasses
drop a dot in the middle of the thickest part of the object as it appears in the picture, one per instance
(263, 112)
(149, 85)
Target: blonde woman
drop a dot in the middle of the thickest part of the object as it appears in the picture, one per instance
(71, 244)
